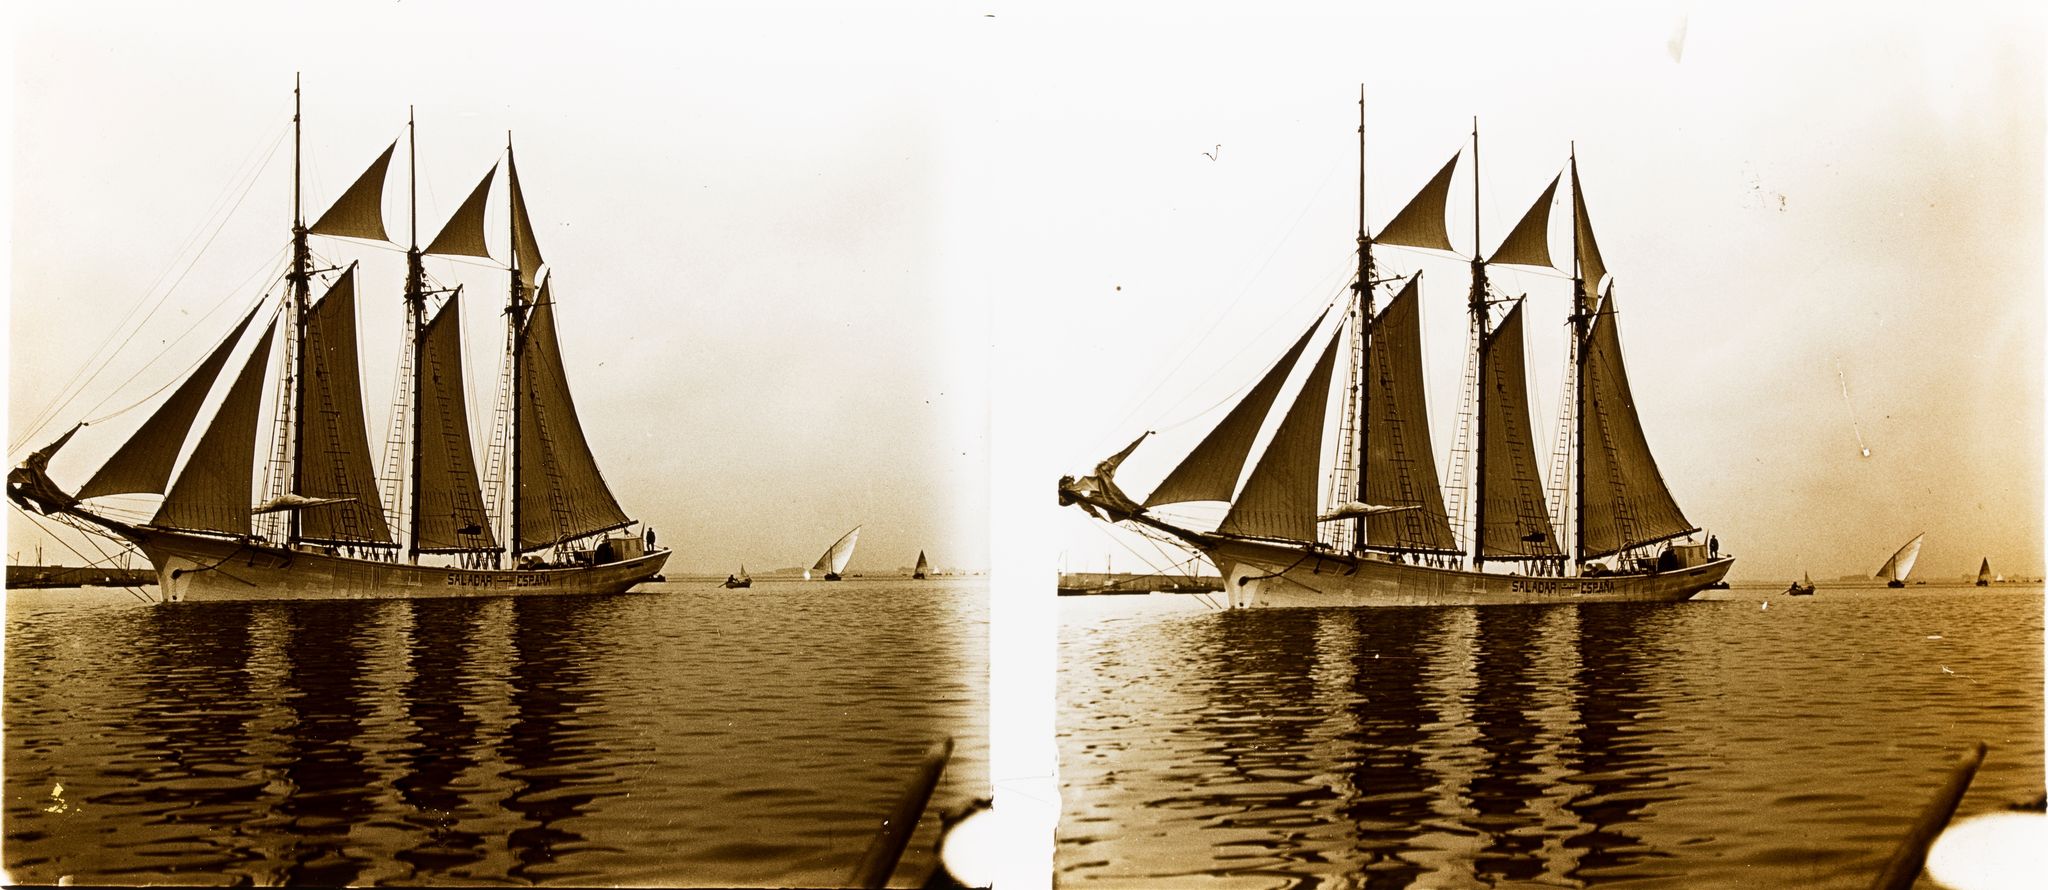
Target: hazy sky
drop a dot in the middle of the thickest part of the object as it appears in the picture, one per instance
(748, 212)
(1791, 202)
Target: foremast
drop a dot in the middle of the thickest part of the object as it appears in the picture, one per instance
(300, 293)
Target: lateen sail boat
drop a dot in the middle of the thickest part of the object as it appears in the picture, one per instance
(1801, 587)
(923, 570)
(1896, 569)
(734, 582)
(833, 561)
(328, 535)
(1386, 538)
(1984, 573)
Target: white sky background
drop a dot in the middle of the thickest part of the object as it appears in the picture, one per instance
(749, 212)
(1775, 191)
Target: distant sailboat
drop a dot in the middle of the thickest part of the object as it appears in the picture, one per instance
(1896, 569)
(733, 582)
(835, 558)
(1801, 587)
(923, 570)
(539, 519)
(1984, 573)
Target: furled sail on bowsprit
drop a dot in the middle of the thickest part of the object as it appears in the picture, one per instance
(833, 561)
(213, 492)
(451, 516)
(1279, 499)
(336, 442)
(1211, 470)
(561, 493)
(1400, 465)
(1515, 520)
(1625, 502)
(143, 464)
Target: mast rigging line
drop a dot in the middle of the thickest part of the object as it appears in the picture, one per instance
(180, 376)
(72, 391)
(1243, 290)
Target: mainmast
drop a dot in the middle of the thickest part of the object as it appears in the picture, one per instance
(1478, 310)
(515, 314)
(301, 257)
(1574, 499)
(416, 328)
(1363, 328)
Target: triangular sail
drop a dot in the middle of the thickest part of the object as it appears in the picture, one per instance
(1421, 223)
(212, 494)
(1591, 268)
(1900, 565)
(1515, 517)
(1279, 500)
(561, 493)
(336, 443)
(1211, 470)
(359, 212)
(1400, 465)
(451, 513)
(144, 462)
(524, 249)
(1528, 243)
(1984, 570)
(1625, 502)
(923, 568)
(463, 235)
(835, 557)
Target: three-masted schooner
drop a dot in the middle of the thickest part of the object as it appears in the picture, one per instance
(541, 520)
(1607, 528)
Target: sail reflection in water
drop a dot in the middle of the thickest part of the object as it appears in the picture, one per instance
(1569, 746)
(546, 740)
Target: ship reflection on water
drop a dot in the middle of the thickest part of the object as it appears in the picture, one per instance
(1557, 746)
(545, 740)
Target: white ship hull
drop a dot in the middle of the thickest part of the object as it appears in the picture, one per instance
(1269, 575)
(194, 568)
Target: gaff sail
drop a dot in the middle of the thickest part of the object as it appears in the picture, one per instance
(1514, 516)
(1625, 502)
(561, 493)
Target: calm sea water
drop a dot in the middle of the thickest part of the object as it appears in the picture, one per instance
(1703, 744)
(683, 735)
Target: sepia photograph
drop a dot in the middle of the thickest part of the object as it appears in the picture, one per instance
(1508, 445)
(490, 444)
(921, 444)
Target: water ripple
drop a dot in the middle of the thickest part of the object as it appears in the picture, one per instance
(1698, 744)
